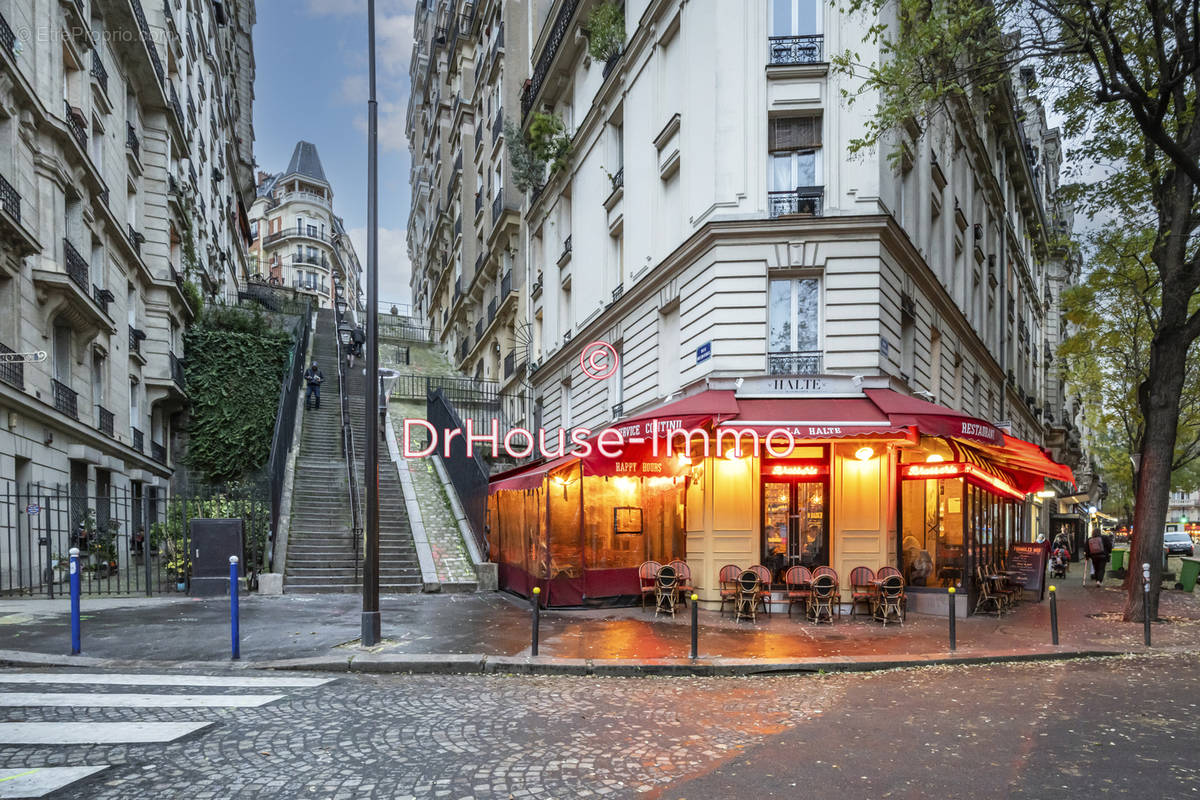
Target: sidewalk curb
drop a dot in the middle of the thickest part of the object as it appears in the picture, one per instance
(478, 664)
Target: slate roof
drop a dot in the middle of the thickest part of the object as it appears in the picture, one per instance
(306, 162)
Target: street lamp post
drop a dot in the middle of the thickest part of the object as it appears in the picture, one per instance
(370, 588)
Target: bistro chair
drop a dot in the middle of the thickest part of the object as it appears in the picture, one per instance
(749, 592)
(728, 580)
(883, 573)
(989, 602)
(820, 601)
(798, 581)
(684, 573)
(666, 591)
(1001, 586)
(862, 589)
(891, 598)
(647, 572)
(837, 585)
(764, 581)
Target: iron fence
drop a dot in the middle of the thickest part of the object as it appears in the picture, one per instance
(131, 540)
(468, 474)
(402, 329)
(285, 423)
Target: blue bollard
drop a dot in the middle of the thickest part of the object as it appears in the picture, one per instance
(76, 644)
(233, 607)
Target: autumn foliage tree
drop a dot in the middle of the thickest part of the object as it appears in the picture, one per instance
(1123, 77)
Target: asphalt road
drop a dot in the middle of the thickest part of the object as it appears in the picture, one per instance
(1115, 727)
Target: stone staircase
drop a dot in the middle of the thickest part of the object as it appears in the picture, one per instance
(399, 568)
(320, 552)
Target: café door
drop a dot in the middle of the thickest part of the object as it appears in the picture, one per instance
(794, 525)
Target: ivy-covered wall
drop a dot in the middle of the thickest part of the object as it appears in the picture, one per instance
(234, 365)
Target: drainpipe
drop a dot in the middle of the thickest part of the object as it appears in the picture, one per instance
(1004, 286)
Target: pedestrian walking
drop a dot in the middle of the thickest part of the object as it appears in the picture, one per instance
(1099, 547)
(314, 378)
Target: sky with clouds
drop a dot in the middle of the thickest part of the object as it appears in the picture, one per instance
(311, 84)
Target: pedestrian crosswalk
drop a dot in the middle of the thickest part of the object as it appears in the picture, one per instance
(33, 691)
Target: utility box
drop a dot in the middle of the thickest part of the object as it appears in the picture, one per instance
(213, 542)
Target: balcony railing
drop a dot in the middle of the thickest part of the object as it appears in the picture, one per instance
(139, 440)
(10, 201)
(497, 207)
(478, 203)
(510, 362)
(457, 289)
(457, 227)
(796, 362)
(11, 372)
(77, 267)
(135, 239)
(562, 26)
(131, 141)
(478, 330)
(505, 285)
(98, 70)
(796, 49)
(176, 369)
(158, 452)
(149, 41)
(178, 109)
(491, 317)
(105, 420)
(66, 399)
(617, 292)
(8, 40)
(806, 200)
(75, 123)
(102, 297)
(135, 340)
(497, 127)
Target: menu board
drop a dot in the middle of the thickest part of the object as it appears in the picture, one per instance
(1027, 562)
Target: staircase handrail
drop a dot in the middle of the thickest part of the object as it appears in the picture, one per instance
(348, 452)
(285, 422)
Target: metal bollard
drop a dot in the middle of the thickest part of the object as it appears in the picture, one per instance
(234, 633)
(533, 650)
(1053, 615)
(76, 643)
(953, 602)
(1146, 601)
(695, 626)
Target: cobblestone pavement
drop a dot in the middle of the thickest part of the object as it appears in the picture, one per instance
(1030, 730)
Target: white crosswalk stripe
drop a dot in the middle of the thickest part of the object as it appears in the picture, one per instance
(85, 690)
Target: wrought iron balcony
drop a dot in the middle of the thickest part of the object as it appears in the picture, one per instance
(148, 40)
(478, 330)
(10, 201)
(139, 440)
(66, 399)
(75, 122)
(105, 420)
(8, 39)
(796, 362)
(510, 362)
(176, 369)
(796, 49)
(77, 266)
(805, 200)
(617, 292)
(178, 109)
(131, 141)
(558, 34)
(497, 126)
(11, 372)
(102, 297)
(491, 314)
(478, 203)
(505, 285)
(457, 289)
(135, 340)
(497, 207)
(158, 452)
(135, 239)
(98, 70)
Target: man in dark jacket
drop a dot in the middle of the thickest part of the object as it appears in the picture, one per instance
(314, 379)
(1099, 548)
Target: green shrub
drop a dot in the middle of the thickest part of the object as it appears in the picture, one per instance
(606, 31)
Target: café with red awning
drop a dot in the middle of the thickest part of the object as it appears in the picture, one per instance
(868, 478)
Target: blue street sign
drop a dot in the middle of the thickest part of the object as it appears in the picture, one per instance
(703, 352)
(32, 508)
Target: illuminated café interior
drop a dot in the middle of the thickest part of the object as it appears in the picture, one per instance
(884, 479)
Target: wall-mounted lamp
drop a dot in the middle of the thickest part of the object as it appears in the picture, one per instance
(935, 459)
(864, 453)
(1046, 494)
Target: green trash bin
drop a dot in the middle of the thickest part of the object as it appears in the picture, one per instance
(1118, 560)
(1188, 573)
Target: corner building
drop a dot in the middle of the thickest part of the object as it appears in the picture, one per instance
(896, 317)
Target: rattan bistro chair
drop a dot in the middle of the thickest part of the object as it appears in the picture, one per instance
(764, 582)
(820, 602)
(684, 574)
(727, 578)
(666, 591)
(798, 581)
(989, 601)
(862, 589)
(837, 585)
(749, 593)
(647, 572)
(891, 597)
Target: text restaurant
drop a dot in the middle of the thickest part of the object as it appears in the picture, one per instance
(874, 478)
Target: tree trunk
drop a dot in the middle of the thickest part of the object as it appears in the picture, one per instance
(1159, 400)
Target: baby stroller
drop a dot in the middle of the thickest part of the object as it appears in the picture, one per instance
(1058, 563)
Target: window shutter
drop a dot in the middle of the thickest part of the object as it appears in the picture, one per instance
(795, 133)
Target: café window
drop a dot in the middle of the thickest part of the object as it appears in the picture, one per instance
(933, 548)
(794, 323)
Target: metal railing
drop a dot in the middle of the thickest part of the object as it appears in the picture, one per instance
(131, 141)
(104, 420)
(139, 439)
(66, 399)
(806, 200)
(285, 423)
(12, 372)
(497, 126)
(795, 49)
(796, 362)
(176, 369)
(506, 286)
(102, 297)
(558, 33)
(178, 109)
(349, 455)
(77, 266)
(8, 39)
(403, 329)
(497, 206)
(468, 474)
(135, 239)
(98, 70)
(74, 124)
(10, 201)
(148, 40)
(509, 363)
(158, 452)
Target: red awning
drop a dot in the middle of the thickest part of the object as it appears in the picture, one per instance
(529, 476)
(709, 406)
(817, 418)
(1021, 456)
(932, 419)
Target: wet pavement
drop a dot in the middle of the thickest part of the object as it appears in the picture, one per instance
(498, 624)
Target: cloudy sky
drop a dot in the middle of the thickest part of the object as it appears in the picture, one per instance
(311, 84)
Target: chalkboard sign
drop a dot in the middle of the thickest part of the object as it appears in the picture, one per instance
(1027, 562)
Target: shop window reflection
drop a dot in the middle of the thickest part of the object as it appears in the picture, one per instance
(932, 532)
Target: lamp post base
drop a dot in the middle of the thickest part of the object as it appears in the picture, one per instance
(370, 628)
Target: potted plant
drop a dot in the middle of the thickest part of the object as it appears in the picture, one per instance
(605, 31)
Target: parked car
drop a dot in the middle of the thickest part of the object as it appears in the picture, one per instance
(1178, 543)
